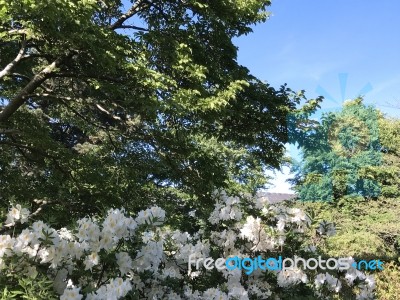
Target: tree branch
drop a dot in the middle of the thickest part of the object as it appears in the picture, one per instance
(41, 204)
(22, 76)
(12, 64)
(35, 82)
(28, 79)
(9, 131)
(133, 27)
(37, 55)
(63, 99)
(30, 148)
(107, 112)
(88, 76)
(17, 31)
(130, 13)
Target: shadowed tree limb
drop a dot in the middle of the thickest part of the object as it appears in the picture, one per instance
(12, 64)
(35, 82)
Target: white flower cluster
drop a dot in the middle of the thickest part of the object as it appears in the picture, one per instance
(64, 249)
(365, 283)
(331, 282)
(226, 240)
(121, 254)
(353, 277)
(17, 213)
(292, 277)
(288, 218)
(71, 293)
(226, 209)
(116, 289)
(253, 230)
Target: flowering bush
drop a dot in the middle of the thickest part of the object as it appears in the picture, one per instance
(143, 257)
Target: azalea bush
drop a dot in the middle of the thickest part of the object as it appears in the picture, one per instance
(142, 256)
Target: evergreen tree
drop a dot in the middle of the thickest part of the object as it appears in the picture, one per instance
(339, 154)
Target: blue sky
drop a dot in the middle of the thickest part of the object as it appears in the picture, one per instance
(335, 48)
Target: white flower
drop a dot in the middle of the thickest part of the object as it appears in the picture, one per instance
(319, 280)
(17, 213)
(281, 225)
(154, 215)
(226, 209)
(143, 217)
(351, 275)
(254, 232)
(116, 289)
(370, 281)
(332, 283)
(124, 262)
(72, 249)
(172, 272)
(225, 239)
(6, 245)
(281, 240)
(107, 241)
(158, 215)
(291, 277)
(298, 216)
(215, 294)
(67, 249)
(118, 225)
(65, 234)
(91, 260)
(180, 237)
(71, 294)
(259, 288)
(194, 274)
(173, 296)
(148, 236)
(191, 294)
(88, 231)
(150, 256)
(365, 295)
(235, 289)
(24, 215)
(261, 202)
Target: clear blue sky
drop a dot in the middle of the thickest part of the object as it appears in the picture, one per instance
(335, 48)
(309, 43)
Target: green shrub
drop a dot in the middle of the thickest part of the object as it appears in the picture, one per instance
(388, 282)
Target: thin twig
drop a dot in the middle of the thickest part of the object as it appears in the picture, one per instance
(133, 27)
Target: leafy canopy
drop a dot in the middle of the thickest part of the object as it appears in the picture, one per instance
(110, 100)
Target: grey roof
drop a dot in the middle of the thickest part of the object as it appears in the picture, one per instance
(277, 197)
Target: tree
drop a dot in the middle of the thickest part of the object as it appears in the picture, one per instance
(105, 105)
(351, 152)
(389, 172)
(343, 155)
